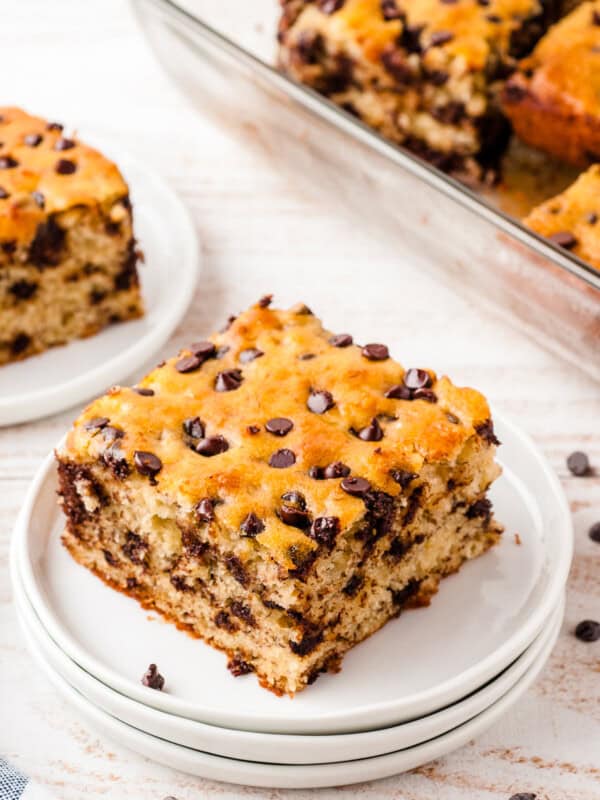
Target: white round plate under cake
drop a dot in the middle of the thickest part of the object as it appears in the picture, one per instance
(65, 376)
(482, 619)
(280, 748)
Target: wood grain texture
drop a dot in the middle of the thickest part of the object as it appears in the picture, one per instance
(86, 63)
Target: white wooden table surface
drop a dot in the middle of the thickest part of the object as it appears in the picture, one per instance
(85, 63)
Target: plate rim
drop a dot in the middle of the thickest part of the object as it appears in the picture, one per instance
(377, 714)
(230, 739)
(79, 388)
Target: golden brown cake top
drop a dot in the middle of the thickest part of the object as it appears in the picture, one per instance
(276, 404)
(566, 62)
(572, 218)
(43, 171)
(468, 29)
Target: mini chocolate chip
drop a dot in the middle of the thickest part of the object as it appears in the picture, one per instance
(141, 390)
(578, 463)
(325, 530)
(265, 301)
(320, 401)
(147, 463)
(281, 459)
(245, 356)
(306, 357)
(32, 139)
(188, 364)
(341, 340)
(588, 630)
(294, 516)
(563, 239)
(153, 679)
(203, 350)
(372, 433)
(398, 392)
(23, 289)
(253, 430)
(54, 126)
(194, 427)
(8, 162)
(96, 423)
(205, 510)
(64, 144)
(375, 352)
(251, 525)
(417, 379)
(39, 199)
(403, 477)
(279, 426)
(424, 394)
(64, 166)
(212, 446)
(336, 470)
(330, 6)
(316, 473)
(440, 37)
(357, 487)
(229, 380)
(594, 532)
(3, 193)
(238, 667)
(591, 218)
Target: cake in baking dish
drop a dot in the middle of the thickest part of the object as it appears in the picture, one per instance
(553, 101)
(280, 491)
(67, 252)
(572, 218)
(425, 73)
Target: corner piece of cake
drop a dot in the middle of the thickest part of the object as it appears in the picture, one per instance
(67, 252)
(571, 219)
(553, 101)
(424, 73)
(280, 491)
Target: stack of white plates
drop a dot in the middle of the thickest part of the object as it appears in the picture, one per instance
(425, 684)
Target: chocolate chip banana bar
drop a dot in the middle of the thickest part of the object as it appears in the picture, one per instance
(425, 73)
(67, 252)
(280, 491)
(553, 101)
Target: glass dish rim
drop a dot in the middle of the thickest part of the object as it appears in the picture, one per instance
(358, 130)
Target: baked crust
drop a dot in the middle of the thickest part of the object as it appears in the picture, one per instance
(553, 101)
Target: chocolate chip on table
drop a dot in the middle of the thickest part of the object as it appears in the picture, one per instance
(588, 630)
(250, 354)
(357, 487)
(372, 433)
(336, 470)
(320, 401)
(578, 464)
(375, 352)
(33, 139)
(205, 510)
(141, 390)
(594, 532)
(325, 530)
(212, 446)
(64, 144)
(563, 239)
(398, 392)
(252, 525)
(64, 166)
(279, 426)
(147, 463)
(188, 364)
(281, 459)
(153, 679)
(229, 380)
(96, 423)
(341, 340)
(3, 193)
(194, 427)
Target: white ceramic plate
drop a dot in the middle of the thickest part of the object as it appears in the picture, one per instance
(265, 747)
(65, 376)
(252, 773)
(481, 620)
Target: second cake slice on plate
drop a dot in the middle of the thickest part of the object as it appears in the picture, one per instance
(280, 491)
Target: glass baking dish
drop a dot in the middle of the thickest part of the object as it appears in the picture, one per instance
(222, 54)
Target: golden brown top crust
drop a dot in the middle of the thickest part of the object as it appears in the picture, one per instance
(43, 171)
(287, 366)
(466, 29)
(564, 68)
(572, 219)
